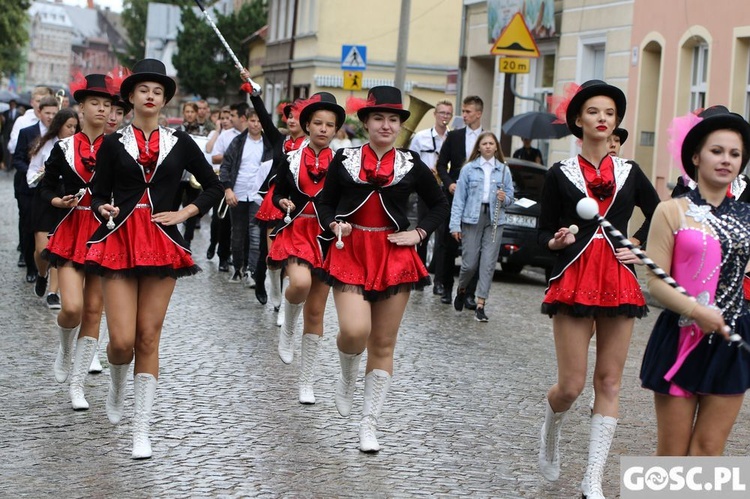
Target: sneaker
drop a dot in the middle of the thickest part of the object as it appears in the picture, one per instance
(480, 316)
(53, 301)
(223, 266)
(40, 286)
(237, 277)
(460, 300)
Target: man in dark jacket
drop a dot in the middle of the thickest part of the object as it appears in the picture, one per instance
(48, 108)
(245, 165)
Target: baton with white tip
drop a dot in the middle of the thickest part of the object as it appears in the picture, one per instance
(237, 63)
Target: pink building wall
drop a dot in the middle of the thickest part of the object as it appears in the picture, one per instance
(671, 25)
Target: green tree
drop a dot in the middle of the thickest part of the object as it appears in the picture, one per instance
(202, 63)
(13, 34)
(134, 18)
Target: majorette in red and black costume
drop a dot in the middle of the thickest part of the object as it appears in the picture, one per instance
(300, 180)
(301, 177)
(142, 175)
(366, 199)
(74, 161)
(372, 194)
(141, 253)
(593, 279)
(587, 280)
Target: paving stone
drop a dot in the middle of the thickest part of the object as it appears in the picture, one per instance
(462, 417)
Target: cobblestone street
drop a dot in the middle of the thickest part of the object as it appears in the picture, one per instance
(462, 417)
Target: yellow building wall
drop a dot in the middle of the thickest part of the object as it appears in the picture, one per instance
(433, 41)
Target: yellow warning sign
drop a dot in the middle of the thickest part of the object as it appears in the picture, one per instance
(352, 80)
(515, 40)
(513, 65)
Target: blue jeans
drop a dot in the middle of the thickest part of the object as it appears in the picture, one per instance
(245, 236)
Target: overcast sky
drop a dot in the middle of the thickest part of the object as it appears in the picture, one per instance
(115, 5)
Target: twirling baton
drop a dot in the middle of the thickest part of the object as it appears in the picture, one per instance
(588, 209)
(237, 63)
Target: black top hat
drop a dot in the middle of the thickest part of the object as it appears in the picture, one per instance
(714, 118)
(622, 133)
(120, 102)
(321, 100)
(385, 99)
(149, 70)
(287, 109)
(590, 89)
(95, 85)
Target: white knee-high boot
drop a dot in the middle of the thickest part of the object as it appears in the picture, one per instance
(286, 335)
(67, 337)
(347, 381)
(96, 366)
(274, 275)
(310, 345)
(549, 445)
(144, 391)
(86, 348)
(116, 396)
(377, 383)
(602, 433)
(280, 316)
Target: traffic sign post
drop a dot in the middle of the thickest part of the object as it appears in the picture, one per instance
(515, 40)
(353, 57)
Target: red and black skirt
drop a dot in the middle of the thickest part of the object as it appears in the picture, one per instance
(268, 212)
(139, 247)
(595, 284)
(373, 266)
(68, 243)
(298, 243)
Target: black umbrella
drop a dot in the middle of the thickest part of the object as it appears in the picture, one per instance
(7, 96)
(535, 125)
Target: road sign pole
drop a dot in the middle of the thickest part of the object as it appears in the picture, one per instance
(399, 80)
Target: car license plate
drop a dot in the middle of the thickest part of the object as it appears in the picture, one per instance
(520, 220)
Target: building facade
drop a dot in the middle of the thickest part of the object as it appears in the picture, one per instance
(305, 38)
(685, 55)
(65, 39)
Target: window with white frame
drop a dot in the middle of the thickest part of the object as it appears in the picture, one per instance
(592, 61)
(306, 10)
(273, 13)
(281, 20)
(544, 77)
(699, 77)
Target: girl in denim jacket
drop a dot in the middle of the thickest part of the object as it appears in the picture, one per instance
(484, 188)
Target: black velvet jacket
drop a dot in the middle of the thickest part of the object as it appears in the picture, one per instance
(287, 186)
(119, 175)
(344, 192)
(60, 168)
(564, 186)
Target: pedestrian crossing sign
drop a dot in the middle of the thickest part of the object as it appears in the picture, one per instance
(354, 57)
(515, 40)
(352, 80)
